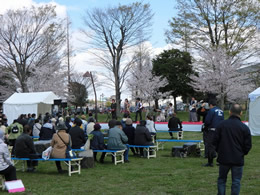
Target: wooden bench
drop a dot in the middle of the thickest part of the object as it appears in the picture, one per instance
(161, 141)
(117, 154)
(68, 161)
(147, 149)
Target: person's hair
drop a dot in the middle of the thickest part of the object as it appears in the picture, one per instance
(149, 117)
(212, 102)
(46, 119)
(36, 120)
(113, 100)
(236, 109)
(90, 114)
(170, 104)
(68, 119)
(78, 122)
(138, 99)
(112, 123)
(142, 123)
(27, 128)
(91, 120)
(33, 115)
(126, 99)
(125, 115)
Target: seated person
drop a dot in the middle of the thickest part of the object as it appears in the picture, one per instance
(47, 130)
(6, 165)
(97, 142)
(90, 125)
(129, 130)
(117, 139)
(142, 136)
(150, 126)
(25, 148)
(36, 128)
(77, 135)
(173, 124)
(59, 143)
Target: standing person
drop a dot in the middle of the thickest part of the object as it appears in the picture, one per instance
(138, 109)
(113, 109)
(170, 110)
(6, 165)
(77, 135)
(117, 139)
(232, 142)
(25, 148)
(174, 124)
(59, 143)
(192, 108)
(127, 107)
(214, 117)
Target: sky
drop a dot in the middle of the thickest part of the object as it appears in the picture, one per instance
(75, 9)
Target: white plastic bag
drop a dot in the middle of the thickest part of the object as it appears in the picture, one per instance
(47, 153)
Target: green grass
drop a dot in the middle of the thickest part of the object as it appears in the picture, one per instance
(161, 175)
(182, 115)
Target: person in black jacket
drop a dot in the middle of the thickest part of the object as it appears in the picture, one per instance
(142, 136)
(47, 130)
(129, 130)
(232, 141)
(25, 148)
(97, 142)
(77, 135)
(173, 124)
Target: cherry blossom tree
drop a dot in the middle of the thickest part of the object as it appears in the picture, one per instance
(218, 74)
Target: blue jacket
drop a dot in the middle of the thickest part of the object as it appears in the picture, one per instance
(214, 117)
(232, 141)
(97, 143)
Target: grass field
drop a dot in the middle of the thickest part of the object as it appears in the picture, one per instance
(161, 175)
(184, 116)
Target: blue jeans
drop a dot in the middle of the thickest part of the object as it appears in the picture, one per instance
(236, 172)
(126, 154)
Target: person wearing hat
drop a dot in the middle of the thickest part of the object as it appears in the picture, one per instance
(6, 165)
(117, 139)
(59, 143)
(129, 130)
(97, 142)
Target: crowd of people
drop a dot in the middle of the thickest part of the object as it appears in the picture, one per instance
(228, 140)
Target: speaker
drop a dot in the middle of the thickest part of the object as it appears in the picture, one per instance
(192, 149)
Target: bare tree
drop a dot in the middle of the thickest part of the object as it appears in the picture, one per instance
(29, 39)
(218, 74)
(114, 30)
(231, 24)
(7, 85)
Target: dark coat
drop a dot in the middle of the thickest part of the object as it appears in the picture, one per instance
(129, 130)
(77, 137)
(97, 143)
(174, 122)
(142, 136)
(232, 141)
(24, 146)
(46, 133)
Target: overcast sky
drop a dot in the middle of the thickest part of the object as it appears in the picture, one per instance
(163, 11)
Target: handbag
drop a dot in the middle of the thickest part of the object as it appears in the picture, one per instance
(47, 153)
(69, 153)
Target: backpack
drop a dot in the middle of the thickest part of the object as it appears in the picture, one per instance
(15, 129)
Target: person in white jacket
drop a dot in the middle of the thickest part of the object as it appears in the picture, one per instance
(6, 166)
(150, 126)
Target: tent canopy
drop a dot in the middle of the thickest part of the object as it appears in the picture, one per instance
(31, 98)
(24, 103)
(255, 94)
(254, 112)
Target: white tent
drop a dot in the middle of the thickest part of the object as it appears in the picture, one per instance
(24, 103)
(254, 112)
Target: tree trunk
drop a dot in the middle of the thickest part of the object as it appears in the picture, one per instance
(222, 102)
(156, 103)
(118, 96)
(175, 104)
